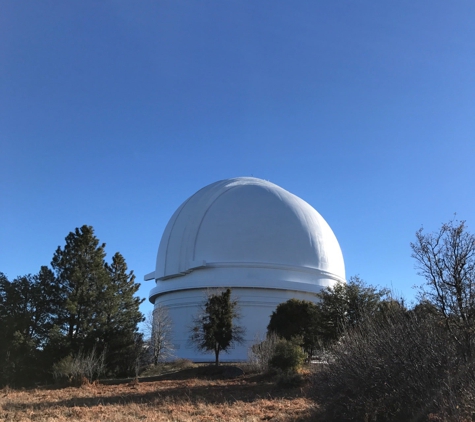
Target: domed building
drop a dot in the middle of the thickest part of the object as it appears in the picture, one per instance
(248, 234)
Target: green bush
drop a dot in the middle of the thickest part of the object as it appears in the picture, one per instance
(287, 356)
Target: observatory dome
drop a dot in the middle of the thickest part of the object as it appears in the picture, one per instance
(247, 221)
(249, 234)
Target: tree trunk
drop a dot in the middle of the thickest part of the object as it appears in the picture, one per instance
(216, 353)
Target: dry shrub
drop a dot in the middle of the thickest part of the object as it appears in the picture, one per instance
(261, 352)
(290, 380)
(5, 391)
(180, 364)
(397, 368)
(80, 369)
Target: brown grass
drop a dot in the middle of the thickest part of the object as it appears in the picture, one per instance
(246, 398)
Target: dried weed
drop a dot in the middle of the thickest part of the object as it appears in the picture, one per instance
(243, 399)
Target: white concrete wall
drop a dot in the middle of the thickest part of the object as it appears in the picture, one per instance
(256, 306)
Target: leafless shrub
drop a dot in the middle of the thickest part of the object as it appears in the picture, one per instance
(158, 329)
(83, 366)
(261, 352)
(397, 367)
(93, 364)
(446, 259)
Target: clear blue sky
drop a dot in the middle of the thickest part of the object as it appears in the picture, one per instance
(112, 113)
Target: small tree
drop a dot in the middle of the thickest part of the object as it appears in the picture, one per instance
(214, 330)
(297, 319)
(158, 327)
(446, 259)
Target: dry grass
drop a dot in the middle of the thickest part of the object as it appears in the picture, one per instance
(246, 398)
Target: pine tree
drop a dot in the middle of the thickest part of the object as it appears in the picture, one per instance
(81, 276)
(99, 309)
(121, 317)
(83, 306)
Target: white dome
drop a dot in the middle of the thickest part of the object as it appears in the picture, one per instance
(247, 221)
(248, 234)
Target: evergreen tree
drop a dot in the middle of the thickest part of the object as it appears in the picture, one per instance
(83, 306)
(27, 308)
(16, 345)
(82, 276)
(99, 308)
(214, 329)
(345, 304)
(121, 317)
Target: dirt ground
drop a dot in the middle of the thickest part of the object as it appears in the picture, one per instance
(245, 398)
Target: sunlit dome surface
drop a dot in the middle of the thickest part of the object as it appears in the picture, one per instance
(243, 221)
